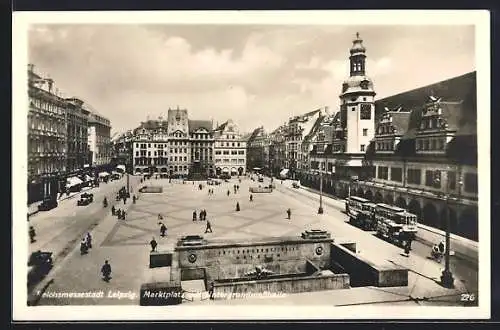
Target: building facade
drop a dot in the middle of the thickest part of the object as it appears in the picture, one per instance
(122, 150)
(229, 150)
(99, 140)
(258, 145)
(424, 155)
(179, 142)
(77, 115)
(149, 144)
(202, 149)
(46, 137)
(277, 149)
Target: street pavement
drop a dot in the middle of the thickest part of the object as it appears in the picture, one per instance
(126, 245)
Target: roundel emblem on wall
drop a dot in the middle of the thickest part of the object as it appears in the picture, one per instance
(319, 250)
(192, 258)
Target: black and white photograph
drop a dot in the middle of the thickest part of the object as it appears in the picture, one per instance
(245, 165)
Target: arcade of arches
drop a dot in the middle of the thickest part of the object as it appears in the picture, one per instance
(430, 211)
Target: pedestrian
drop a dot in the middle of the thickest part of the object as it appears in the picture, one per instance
(89, 240)
(123, 215)
(194, 215)
(211, 290)
(204, 214)
(163, 230)
(106, 271)
(209, 227)
(83, 246)
(201, 215)
(32, 234)
(251, 198)
(289, 213)
(228, 192)
(134, 199)
(153, 244)
(237, 206)
(124, 200)
(113, 210)
(407, 246)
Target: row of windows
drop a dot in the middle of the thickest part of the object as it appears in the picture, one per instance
(160, 145)
(432, 178)
(232, 161)
(46, 125)
(385, 146)
(201, 136)
(49, 106)
(431, 122)
(46, 146)
(46, 166)
(228, 144)
(430, 144)
(227, 152)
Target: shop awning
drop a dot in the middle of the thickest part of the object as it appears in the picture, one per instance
(73, 181)
(103, 174)
(284, 172)
(354, 163)
(257, 169)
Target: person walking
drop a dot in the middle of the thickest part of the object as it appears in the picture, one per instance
(251, 198)
(153, 244)
(106, 271)
(194, 215)
(200, 216)
(204, 214)
(32, 234)
(237, 206)
(113, 210)
(163, 230)
(89, 240)
(228, 192)
(289, 213)
(211, 290)
(209, 227)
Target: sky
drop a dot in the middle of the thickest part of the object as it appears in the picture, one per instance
(253, 74)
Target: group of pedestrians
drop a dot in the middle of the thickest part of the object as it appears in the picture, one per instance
(210, 191)
(121, 214)
(202, 215)
(85, 244)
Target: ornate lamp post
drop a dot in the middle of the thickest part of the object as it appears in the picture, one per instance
(320, 209)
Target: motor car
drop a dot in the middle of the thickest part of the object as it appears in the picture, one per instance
(84, 201)
(225, 176)
(88, 195)
(39, 264)
(295, 185)
(47, 204)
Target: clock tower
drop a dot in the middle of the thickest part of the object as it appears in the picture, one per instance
(357, 105)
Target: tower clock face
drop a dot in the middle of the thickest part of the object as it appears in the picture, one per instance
(366, 111)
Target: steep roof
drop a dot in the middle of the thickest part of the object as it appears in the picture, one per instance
(314, 129)
(221, 127)
(196, 124)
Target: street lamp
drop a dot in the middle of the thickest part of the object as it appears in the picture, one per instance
(447, 279)
(320, 209)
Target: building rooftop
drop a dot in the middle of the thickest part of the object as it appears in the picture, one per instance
(196, 124)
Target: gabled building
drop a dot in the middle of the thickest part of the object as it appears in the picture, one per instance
(258, 150)
(425, 159)
(150, 144)
(277, 149)
(202, 149)
(229, 150)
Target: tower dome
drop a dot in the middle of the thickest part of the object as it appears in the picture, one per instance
(357, 45)
(357, 80)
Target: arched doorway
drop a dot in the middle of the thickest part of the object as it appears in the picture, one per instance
(401, 202)
(218, 171)
(414, 207)
(389, 199)
(430, 215)
(138, 171)
(240, 171)
(369, 195)
(378, 197)
(453, 220)
(359, 192)
(234, 171)
(468, 225)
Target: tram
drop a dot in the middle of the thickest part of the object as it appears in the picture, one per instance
(361, 212)
(395, 223)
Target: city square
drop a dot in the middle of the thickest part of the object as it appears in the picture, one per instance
(125, 243)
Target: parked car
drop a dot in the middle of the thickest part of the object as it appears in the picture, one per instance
(88, 195)
(47, 204)
(39, 264)
(295, 185)
(84, 201)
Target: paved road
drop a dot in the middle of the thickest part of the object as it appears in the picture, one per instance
(125, 244)
(59, 229)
